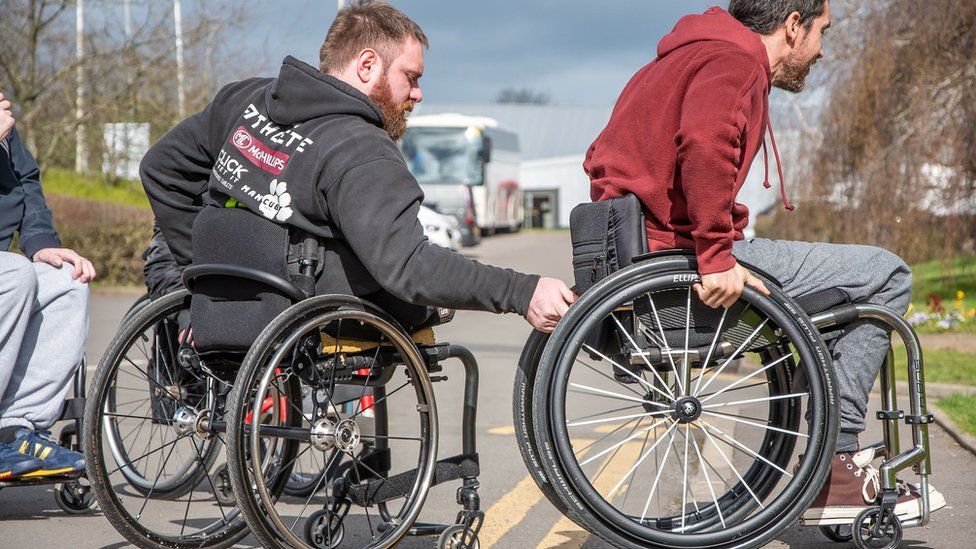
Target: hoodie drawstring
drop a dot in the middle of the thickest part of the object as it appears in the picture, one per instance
(779, 165)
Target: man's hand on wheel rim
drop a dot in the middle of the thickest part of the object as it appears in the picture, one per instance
(724, 288)
(550, 302)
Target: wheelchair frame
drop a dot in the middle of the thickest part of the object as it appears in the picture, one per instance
(918, 457)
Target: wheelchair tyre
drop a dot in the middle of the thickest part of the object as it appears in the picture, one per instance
(273, 366)
(153, 516)
(767, 498)
(525, 374)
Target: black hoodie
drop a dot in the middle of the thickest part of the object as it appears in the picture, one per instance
(308, 150)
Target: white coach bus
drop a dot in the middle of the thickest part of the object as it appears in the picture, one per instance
(468, 168)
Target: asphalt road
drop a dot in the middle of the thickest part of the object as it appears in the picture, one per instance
(517, 514)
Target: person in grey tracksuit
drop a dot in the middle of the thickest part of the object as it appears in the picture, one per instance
(43, 317)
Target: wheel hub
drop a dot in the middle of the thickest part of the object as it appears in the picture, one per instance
(323, 434)
(185, 420)
(347, 435)
(686, 409)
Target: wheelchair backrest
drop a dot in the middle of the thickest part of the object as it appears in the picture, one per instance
(228, 312)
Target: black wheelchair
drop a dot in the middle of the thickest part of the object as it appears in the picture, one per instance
(246, 364)
(652, 420)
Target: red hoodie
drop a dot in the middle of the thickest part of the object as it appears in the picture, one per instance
(685, 132)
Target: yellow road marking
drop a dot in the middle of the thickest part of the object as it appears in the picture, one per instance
(566, 534)
(512, 507)
(503, 430)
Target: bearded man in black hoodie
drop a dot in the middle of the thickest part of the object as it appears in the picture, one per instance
(314, 149)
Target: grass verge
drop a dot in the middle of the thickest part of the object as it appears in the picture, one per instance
(941, 366)
(962, 410)
(67, 183)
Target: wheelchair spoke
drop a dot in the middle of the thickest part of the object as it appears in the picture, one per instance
(384, 397)
(750, 376)
(590, 416)
(617, 451)
(664, 339)
(684, 481)
(660, 469)
(156, 481)
(643, 456)
(318, 485)
(711, 349)
(637, 349)
(621, 443)
(729, 360)
(213, 488)
(144, 456)
(618, 382)
(609, 394)
(579, 452)
(735, 418)
(165, 391)
(385, 437)
(752, 400)
(732, 467)
(124, 416)
(685, 377)
(618, 418)
(728, 440)
(708, 482)
(741, 388)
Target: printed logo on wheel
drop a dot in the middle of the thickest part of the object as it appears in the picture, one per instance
(258, 153)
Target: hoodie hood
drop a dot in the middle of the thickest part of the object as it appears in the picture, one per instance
(715, 24)
(301, 93)
(718, 25)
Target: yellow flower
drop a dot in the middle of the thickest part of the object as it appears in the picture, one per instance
(960, 294)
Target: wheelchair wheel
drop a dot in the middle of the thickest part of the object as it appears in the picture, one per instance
(663, 423)
(148, 457)
(323, 347)
(164, 370)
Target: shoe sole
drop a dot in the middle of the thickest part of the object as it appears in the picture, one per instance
(833, 516)
(52, 472)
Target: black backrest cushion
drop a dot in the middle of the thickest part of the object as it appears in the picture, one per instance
(228, 313)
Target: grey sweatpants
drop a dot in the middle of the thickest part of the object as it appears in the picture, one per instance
(43, 325)
(867, 275)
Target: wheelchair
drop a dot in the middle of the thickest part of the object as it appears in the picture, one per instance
(323, 407)
(652, 420)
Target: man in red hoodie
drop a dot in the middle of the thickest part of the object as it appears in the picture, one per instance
(683, 136)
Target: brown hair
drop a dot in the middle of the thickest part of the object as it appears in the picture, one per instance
(367, 24)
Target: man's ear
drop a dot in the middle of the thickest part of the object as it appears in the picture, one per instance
(794, 24)
(367, 65)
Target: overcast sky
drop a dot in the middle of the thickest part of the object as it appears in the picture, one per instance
(579, 52)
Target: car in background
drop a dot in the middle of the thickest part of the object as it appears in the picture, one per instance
(440, 229)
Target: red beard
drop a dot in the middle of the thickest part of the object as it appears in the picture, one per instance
(394, 113)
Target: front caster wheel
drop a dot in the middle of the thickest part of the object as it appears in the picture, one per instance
(457, 536)
(223, 492)
(868, 534)
(322, 533)
(75, 498)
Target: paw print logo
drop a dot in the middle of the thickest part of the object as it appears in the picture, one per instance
(276, 205)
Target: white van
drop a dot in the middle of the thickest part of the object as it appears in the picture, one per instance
(468, 168)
